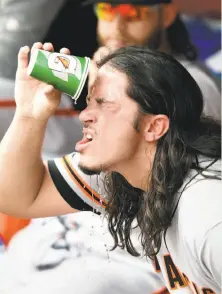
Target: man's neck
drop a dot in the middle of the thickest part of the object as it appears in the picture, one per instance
(137, 171)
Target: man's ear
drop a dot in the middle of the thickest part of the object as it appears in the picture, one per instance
(156, 127)
(169, 14)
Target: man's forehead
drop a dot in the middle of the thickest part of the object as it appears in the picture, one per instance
(108, 76)
(107, 71)
(110, 85)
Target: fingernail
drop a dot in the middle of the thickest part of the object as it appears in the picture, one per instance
(25, 48)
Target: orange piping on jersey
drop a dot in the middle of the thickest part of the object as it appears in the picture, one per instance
(163, 290)
(88, 195)
(79, 177)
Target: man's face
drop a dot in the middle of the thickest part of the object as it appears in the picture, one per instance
(110, 136)
(128, 25)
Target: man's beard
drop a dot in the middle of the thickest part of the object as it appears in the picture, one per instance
(101, 168)
(153, 42)
(89, 171)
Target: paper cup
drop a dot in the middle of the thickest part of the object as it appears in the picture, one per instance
(66, 73)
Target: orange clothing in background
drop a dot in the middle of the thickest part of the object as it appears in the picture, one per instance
(9, 226)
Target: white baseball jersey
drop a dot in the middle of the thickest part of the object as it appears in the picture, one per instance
(191, 259)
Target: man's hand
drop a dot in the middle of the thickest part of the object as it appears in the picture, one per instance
(26, 187)
(34, 99)
(98, 55)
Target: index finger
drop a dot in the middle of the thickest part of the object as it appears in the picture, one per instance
(23, 57)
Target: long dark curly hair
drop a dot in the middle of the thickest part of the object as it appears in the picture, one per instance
(160, 85)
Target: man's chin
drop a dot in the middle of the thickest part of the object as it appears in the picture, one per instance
(91, 166)
(90, 171)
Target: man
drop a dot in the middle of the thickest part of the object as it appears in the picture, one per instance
(103, 24)
(154, 23)
(159, 166)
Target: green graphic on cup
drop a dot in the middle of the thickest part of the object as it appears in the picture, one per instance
(66, 73)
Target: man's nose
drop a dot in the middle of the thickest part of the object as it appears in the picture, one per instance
(87, 116)
(119, 23)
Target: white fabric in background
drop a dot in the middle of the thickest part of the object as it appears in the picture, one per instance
(87, 268)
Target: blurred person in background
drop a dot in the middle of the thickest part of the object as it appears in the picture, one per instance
(157, 25)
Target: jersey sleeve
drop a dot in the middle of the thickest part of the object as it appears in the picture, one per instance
(80, 191)
(200, 223)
